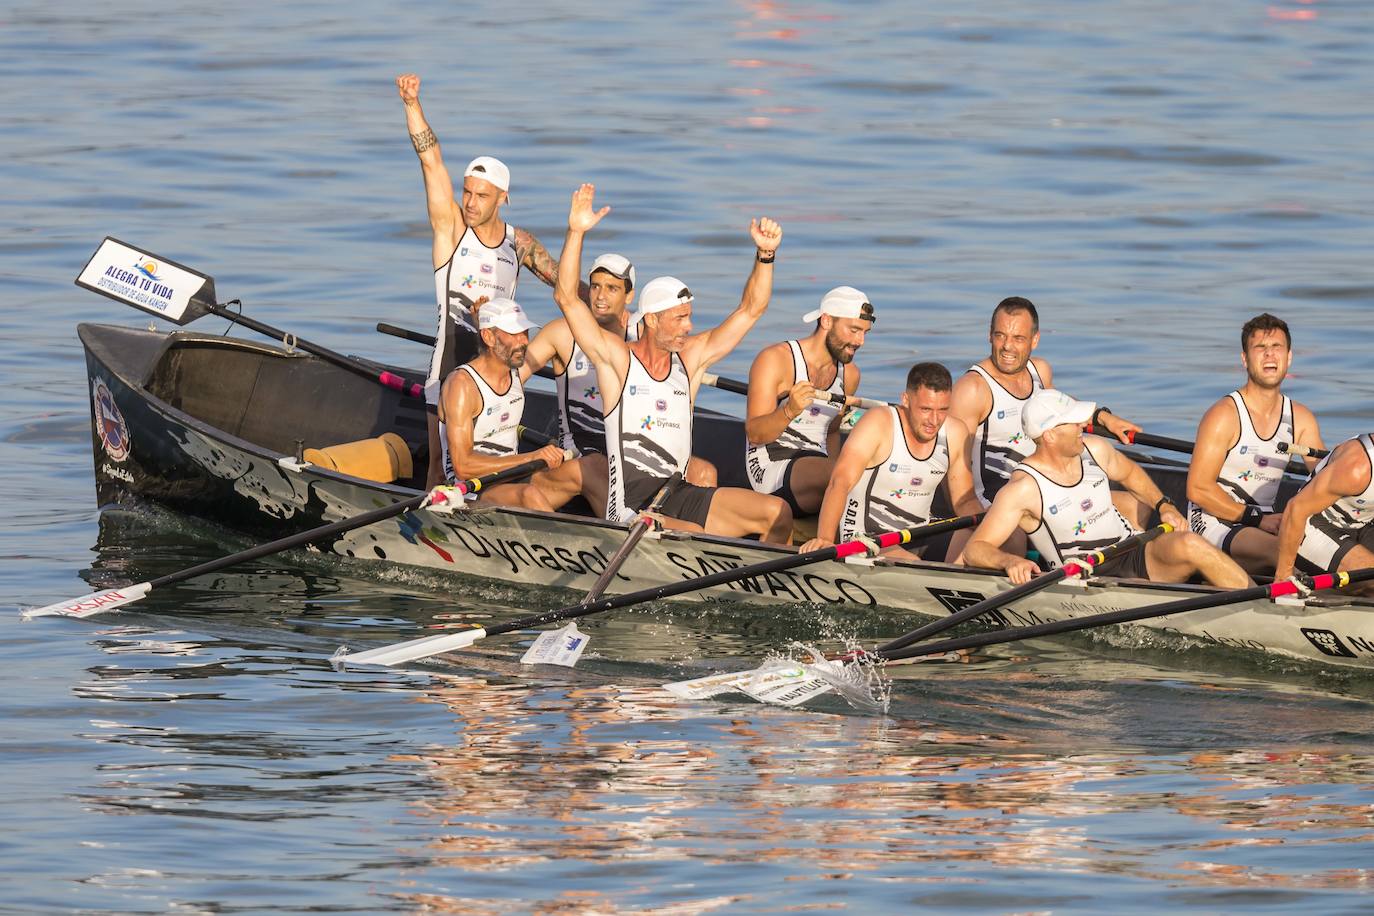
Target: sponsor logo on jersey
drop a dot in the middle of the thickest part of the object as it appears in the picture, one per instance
(487, 268)
(1086, 505)
(1016, 439)
(1262, 460)
(892, 468)
(592, 392)
(632, 389)
(1244, 449)
(917, 481)
(1246, 474)
(897, 493)
(1001, 414)
(462, 252)
(505, 416)
(505, 260)
(469, 281)
(660, 405)
(1079, 527)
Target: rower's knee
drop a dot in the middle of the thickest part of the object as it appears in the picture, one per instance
(780, 525)
(701, 472)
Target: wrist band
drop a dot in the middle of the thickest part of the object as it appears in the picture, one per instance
(772, 256)
(1251, 516)
(1162, 501)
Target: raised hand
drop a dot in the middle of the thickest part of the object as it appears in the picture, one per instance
(766, 233)
(408, 85)
(581, 216)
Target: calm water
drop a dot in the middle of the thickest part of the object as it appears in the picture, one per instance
(1151, 174)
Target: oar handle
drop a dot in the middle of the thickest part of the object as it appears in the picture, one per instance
(1303, 451)
(1278, 589)
(1072, 568)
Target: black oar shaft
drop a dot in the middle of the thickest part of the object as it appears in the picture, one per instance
(1127, 615)
(638, 529)
(344, 525)
(1026, 588)
(407, 387)
(406, 334)
(723, 577)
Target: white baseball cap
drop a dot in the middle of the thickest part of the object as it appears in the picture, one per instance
(842, 302)
(490, 169)
(659, 295)
(503, 314)
(1049, 407)
(617, 265)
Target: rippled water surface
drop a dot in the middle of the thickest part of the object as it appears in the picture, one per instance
(1151, 174)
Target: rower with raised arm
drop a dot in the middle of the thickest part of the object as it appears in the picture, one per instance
(892, 464)
(649, 387)
(582, 428)
(1236, 471)
(480, 410)
(1328, 525)
(476, 252)
(1060, 497)
(792, 438)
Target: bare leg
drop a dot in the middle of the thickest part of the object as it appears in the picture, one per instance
(810, 477)
(1175, 556)
(736, 512)
(523, 495)
(595, 482)
(1255, 550)
(560, 484)
(700, 472)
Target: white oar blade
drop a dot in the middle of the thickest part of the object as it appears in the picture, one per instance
(557, 647)
(401, 652)
(783, 683)
(90, 605)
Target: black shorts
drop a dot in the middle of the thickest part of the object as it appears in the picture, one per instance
(688, 502)
(1130, 565)
(784, 492)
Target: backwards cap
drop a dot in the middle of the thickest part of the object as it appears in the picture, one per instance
(843, 302)
(659, 295)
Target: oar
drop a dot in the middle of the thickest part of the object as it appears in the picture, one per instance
(154, 284)
(1199, 602)
(734, 386)
(426, 646)
(99, 602)
(1183, 445)
(1076, 566)
(638, 528)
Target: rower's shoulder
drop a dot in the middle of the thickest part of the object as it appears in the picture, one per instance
(1221, 418)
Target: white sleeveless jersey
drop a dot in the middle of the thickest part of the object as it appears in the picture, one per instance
(581, 413)
(1251, 473)
(472, 271)
(1000, 442)
(496, 428)
(648, 431)
(1077, 519)
(896, 492)
(806, 434)
(1350, 513)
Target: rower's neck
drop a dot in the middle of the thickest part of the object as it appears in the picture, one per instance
(819, 364)
(494, 372)
(1064, 471)
(655, 359)
(491, 233)
(1261, 400)
(1018, 383)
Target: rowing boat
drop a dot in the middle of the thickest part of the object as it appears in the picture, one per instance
(222, 427)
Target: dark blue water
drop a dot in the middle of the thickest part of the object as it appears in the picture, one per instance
(1150, 174)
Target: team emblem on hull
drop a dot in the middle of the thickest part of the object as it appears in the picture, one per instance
(109, 422)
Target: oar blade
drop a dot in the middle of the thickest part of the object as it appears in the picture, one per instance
(148, 282)
(90, 605)
(781, 682)
(402, 652)
(557, 647)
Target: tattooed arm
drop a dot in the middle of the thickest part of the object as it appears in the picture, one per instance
(445, 216)
(535, 257)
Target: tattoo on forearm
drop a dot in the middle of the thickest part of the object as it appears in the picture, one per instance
(424, 140)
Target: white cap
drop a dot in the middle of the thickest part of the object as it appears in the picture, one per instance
(490, 169)
(1049, 407)
(503, 314)
(659, 295)
(842, 302)
(617, 265)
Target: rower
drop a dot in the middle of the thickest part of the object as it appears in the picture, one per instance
(1234, 477)
(1327, 524)
(480, 410)
(792, 437)
(1060, 496)
(892, 463)
(990, 396)
(611, 289)
(649, 386)
(476, 253)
